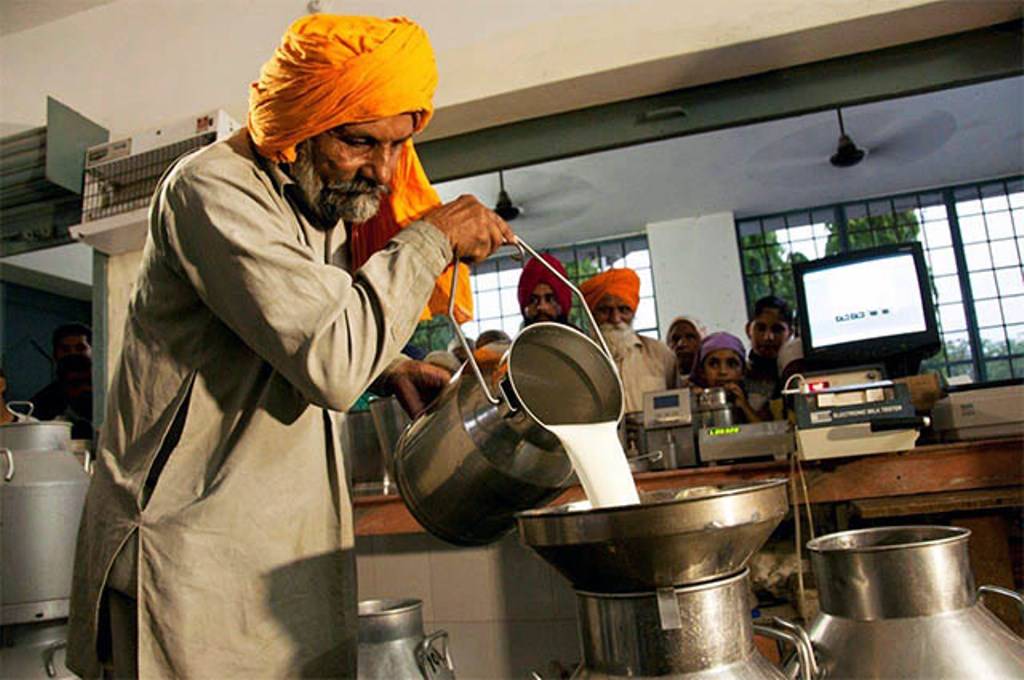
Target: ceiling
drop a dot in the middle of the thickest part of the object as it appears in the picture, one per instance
(21, 15)
(936, 139)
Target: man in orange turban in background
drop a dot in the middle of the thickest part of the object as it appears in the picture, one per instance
(217, 538)
(645, 365)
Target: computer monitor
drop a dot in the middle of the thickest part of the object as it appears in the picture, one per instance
(869, 306)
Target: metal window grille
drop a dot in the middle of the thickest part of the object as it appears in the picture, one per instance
(973, 238)
(127, 184)
(496, 282)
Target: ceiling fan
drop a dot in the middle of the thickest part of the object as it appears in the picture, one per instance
(892, 137)
(506, 209)
(847, 153)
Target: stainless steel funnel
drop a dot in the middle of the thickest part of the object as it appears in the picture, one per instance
(673, 537)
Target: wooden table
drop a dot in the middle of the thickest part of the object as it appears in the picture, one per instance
(964, 466)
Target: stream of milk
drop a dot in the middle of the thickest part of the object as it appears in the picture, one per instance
(600, 462)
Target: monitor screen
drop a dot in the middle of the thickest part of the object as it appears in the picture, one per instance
(855, 301)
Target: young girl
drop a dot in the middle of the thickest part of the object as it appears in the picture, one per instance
(721, 362)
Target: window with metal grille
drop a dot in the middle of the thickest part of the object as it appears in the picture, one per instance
(973, 238)
(496, 282)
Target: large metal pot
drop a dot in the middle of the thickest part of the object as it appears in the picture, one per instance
(900, 602)
(626, 635)
(41, 499)
(481, 453)
(392, 645)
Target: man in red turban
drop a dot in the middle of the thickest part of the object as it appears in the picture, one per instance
(645, 365)
(217, 539)
(542, 296)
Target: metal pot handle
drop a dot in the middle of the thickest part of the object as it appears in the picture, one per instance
(423, 658)
(784, 631)
(1005, 592)
(524, 249)
(9, 475)
(470, 359)
(48, 654)
(652, 456)
(18, 415)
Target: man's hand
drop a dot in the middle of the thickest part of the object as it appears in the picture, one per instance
(416, 384)
(473, 230)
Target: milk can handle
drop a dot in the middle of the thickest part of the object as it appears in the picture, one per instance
(576, 291)
(49, 653)
(524, 249)
(9, 475)
(18, 415)
(784, 631)
(423, 652)
(1005, 592)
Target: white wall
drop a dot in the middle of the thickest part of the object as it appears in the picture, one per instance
(696, 268)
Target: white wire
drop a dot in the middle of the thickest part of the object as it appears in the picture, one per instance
(785, 387)
(801, 595)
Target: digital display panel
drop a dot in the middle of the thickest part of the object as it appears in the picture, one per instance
(666, 401)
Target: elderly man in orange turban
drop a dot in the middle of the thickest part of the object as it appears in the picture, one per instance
(645, 364)
(217, 539)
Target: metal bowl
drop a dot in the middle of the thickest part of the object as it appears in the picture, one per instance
(671, 538)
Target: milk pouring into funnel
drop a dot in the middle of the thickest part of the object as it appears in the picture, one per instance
(600, 463)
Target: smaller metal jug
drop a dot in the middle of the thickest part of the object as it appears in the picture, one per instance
(481, 453)
(714, 408)
(392, 645)
(389, 421)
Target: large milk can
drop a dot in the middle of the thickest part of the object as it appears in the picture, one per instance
(481, 453)
(392, 645)
(900, 602)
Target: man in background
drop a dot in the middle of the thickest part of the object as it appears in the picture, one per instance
(542, 297)
(73, 339)
(645, 364)
(74, 376)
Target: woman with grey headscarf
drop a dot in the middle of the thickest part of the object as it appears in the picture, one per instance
(684, 337)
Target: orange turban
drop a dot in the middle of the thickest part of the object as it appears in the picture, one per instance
(335, 70)
(622, 283)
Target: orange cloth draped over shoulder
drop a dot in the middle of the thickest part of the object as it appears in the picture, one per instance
(334, 70)
(622, 283)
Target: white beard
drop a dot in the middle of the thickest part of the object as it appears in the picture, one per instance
(354, 201)
(620, 338)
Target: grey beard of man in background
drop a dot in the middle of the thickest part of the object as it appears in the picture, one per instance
(620, 338)
(354, 201)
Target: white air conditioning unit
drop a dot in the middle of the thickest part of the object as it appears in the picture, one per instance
(121, 176)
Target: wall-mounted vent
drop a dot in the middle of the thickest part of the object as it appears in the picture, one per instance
(121, 176)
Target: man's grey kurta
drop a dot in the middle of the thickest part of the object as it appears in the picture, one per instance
(244, 328)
